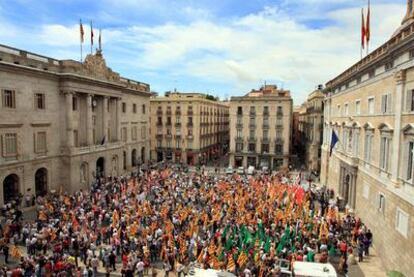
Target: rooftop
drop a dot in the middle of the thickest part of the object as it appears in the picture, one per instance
(93, 67)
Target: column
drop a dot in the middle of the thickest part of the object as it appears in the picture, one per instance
(397, 109)
(89, 127)
(69, 119)
(105, 119)
(118, 118)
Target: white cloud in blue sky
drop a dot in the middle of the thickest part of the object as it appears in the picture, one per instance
(222, 47)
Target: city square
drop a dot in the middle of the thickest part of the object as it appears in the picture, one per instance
(104, 175)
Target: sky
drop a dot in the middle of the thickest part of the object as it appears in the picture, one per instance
(221, 47)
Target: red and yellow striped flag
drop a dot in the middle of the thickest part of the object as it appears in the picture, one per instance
(231, 266)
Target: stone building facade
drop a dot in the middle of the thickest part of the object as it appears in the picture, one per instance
(188, 128)
(261, 128)
(63, 122)
(311, 130)
(370, 107)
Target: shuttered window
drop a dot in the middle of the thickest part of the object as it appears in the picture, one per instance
(9, 145)
(386, 103)
(40, 142)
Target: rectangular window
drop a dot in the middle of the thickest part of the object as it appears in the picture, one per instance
(410, 159)
(134, 108)
(238, 133)
(385, 153)
(239, 110)
(239, 147)
(401, 222)
(265, 134)
(159, 143)
(265, 148)
(279, 149)
(75, 138)
(346, 110)
(412, 54)
(355, 141)
(338, 110)
(265, 111)
(239, 120)
(9, 145)
(143, 132)
(381, 203)
(143, 109)
(410, 101)
(252, 147)
(74, 103)
(371, 105)
(386, 103)
(190, 120)
(124, 134)
(367, 150)
(252, 133)
(123, 107)
(134, 133)
(9, 99)
(40, 142)
(40, 101)
(358, 107)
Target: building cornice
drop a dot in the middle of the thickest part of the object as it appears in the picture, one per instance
(404, 38)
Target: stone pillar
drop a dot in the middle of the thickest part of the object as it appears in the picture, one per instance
(397, 109)
(69, 118)
(105, 119)
(89, 127)
(118, 118)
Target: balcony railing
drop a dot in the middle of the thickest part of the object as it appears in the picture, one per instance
(178, 124)
(252, 139)
(159, 124)
(169, 112)
(265, 126)
(168, 123)
(190, 112)
(239, 125)
(252, 125)
(189, 124)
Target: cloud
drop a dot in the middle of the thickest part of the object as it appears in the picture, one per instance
(229, 55)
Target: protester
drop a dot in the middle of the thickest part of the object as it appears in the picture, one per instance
(239, 224)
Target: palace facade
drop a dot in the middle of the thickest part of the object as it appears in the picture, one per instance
(63, 122)
(370, 107)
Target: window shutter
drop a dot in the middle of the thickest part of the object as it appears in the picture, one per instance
(389, 105)
(3, 146)
(408, 101)
(383, 103)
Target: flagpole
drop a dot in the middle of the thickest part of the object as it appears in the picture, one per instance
(368, 26)
(81, 38)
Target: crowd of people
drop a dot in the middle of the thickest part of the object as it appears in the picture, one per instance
(176, 220)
